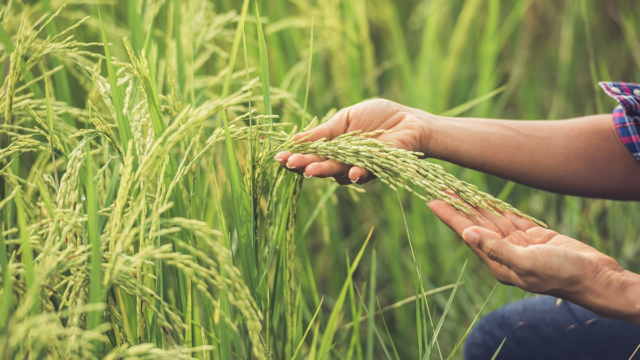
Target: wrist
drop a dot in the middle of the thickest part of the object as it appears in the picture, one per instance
(433, 137)
(629, 295)
(613, 292)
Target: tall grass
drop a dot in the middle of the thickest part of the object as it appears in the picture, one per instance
(142, 213)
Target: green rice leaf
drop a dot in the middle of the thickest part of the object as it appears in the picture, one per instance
(94, 317)
(27, 255)
(446, 310)
(63, 91)
(306, 93)
(177, 34)
(124, 128)
(264, 66)
(327, 339)
(472, 323)
(307, 331)
(375, 329)
(135, 25)
(241, 202)
(7, 282)
(473, 102)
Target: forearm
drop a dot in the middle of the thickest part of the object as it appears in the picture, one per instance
(616, 294)
(581, 156)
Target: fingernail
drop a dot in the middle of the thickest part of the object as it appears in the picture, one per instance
(429, 202)
(277, 158)
(306, 175)
(471, 237)
(291, 166)
(356, 180)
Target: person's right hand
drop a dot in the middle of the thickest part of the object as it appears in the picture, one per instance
(411, 131)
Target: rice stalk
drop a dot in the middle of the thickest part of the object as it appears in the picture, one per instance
(398, 168)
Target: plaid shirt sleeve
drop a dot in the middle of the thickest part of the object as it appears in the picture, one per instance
(626, 116)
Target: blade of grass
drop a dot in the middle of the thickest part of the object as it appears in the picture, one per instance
(177, 33)
(50, 125)
(472, 323)
(135, 25)
(472, 103)
(252, 158)
(419, 322)
(327, 339)
(446, 310)
(95, 275)
(7, 282)
(27, 255)
(355, 314)
(114, 184)
(307, 331)
(375, 329)
(306, 93)
(404, 302)
(593, 71)
(495, 355)
(264, 66)
(419, 279)
(457, 44)
(241, 202)
(225, 336)
(147, 39)
(124, 128)
(61, 79)
(393, 345)
(372, 296)
(316, 211)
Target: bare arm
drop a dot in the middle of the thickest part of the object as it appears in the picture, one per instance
(582, 156)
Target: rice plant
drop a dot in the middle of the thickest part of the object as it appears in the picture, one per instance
(143, 215)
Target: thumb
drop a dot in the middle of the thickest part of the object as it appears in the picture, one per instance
(494, 245)
(335, 127)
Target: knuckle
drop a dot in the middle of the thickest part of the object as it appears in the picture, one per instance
(493, 252)
(377, 102)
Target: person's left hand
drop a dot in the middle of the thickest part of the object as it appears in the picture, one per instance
(521, 253)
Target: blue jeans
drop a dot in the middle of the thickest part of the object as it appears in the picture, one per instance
(539, 328)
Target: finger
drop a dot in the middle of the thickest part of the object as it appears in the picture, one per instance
(360, 175)
(451, 217)
(501, 223)
(301, 161)
(477, 217)
(495, 246)
(282, 157)
(459, 223)
(519, 222)
(540, 235)
(329, 168)
(343, 180)
(336, 126)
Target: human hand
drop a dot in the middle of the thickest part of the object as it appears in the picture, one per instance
(521, 253)
(411, 130)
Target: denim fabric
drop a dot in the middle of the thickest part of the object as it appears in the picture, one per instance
(540, 328)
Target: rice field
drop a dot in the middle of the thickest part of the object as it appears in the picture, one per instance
(143, 214)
